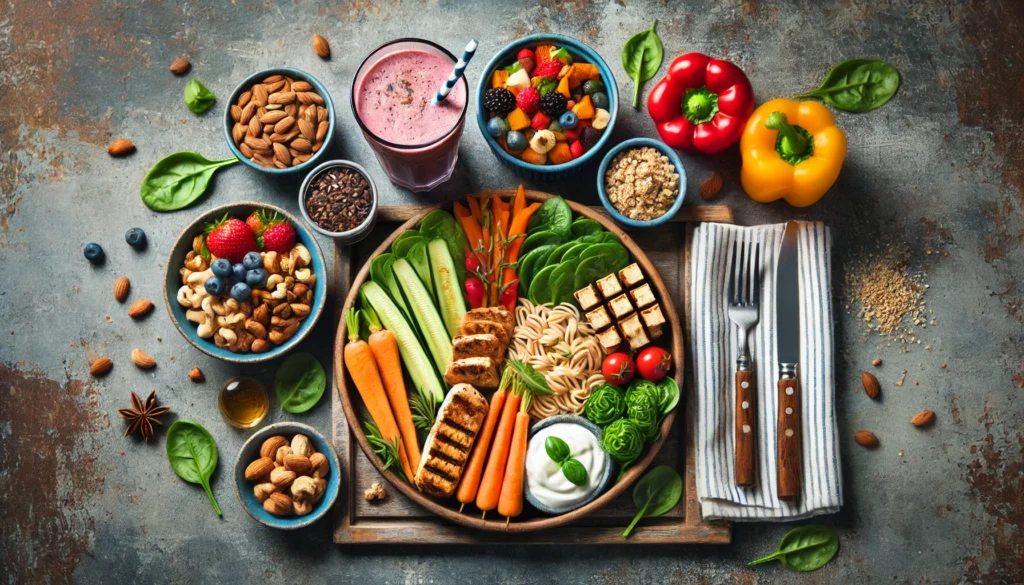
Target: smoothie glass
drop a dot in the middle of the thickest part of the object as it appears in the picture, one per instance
(416, 142)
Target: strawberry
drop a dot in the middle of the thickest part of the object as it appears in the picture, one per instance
(540, 121)
(572, 134)
(279, 237)
(525, 54)
(229, 238)
(548, 69)
(576, 149)
(259, 220)
(528, 100)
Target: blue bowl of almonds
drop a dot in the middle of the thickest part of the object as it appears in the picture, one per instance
(642, 183)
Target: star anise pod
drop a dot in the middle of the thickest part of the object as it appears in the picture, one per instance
(141, 417)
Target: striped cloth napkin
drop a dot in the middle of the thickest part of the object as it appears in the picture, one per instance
(715, 346)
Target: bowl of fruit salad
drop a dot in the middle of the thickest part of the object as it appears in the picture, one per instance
(245, 282)
(546, 105)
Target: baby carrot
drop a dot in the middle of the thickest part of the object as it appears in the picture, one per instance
(385, 350)
(510, 503)
(494, 473)
(470, 483)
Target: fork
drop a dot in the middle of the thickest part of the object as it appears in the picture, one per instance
(744, 291)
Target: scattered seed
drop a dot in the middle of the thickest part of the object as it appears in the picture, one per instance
(339, 199)
(876, 362)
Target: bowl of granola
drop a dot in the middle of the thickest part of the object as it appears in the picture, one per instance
(245, 282)
(642, 183)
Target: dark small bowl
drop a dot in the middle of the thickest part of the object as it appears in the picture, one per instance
(294, 74)
(251, 451)
(629, 145)
(579, 52)
(610, 467)
(172, 282)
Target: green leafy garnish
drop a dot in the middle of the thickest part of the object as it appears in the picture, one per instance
(178, 180)
(300, 383)
(559, 452)
(641, 58)
(531, 378)
(858, 85)
(623, 440)
(193, 455)
(198, 97)
(805, 548)
(655, 494)
(605, 405)
(387, 451)
(424, 409)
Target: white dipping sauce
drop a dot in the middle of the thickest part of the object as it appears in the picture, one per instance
(544, 477)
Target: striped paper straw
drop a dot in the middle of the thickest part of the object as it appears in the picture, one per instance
(460, 68)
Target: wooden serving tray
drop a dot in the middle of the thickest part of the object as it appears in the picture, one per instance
(399, 520)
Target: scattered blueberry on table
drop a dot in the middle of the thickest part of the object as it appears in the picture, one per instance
(94, 252)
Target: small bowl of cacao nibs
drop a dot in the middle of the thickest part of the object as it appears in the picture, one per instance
(338, 199)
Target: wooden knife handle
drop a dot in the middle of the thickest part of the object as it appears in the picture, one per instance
(746, 429)
(789, 438)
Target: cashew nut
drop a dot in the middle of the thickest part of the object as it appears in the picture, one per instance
(200, 276)
(300, 256)
(228, 335)
(281, 292)
(184, 296)
(274, 280)
(195, 316)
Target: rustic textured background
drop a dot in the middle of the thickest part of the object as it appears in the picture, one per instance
(939, 169)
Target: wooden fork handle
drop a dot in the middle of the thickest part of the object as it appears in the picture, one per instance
(789, 438)
(746, 429)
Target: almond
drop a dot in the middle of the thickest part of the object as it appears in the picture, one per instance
(180, 66)
(100, 366)
(319, 465)
(298, 463)
(121, 289)
(281, 477)
(711, 186)
(196, 375)
(259, 469)
(271, 445)
(142, 360)
(120, 147)
(923, 418)
(866, 439)
(302, 86)
(871, 387)
(321, 47)
(278, 504)
(140, 308)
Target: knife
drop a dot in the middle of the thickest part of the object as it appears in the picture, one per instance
(787, 345)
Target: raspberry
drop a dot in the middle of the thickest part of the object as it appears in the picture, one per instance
(548, 69)
(528, 100)
(540, 121)
(576, 149)
(524, 54)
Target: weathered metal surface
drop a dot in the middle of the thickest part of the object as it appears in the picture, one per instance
(938, 169)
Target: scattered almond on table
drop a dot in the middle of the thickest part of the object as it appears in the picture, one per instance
(711, 186)
(322, 48)
(196, 375)
(100, 366)
(142, 359)
(871, 386)
(180, 66)
(121, 289)
(866, 439)
(120, 147)
(923, 418)
(140, 308)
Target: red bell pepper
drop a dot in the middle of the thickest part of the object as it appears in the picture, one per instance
(702, 104)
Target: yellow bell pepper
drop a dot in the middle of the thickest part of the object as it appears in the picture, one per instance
(791, 150)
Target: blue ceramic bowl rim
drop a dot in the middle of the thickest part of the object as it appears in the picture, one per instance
(188, 330)
(637, 143)
(602, 486)
(249, 502)
(345, 164)
(290, 72)
(574, 46)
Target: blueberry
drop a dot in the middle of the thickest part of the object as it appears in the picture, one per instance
(215, 285)
(592, 86)
(238, 272)
(516, 140)
(136, 238)
(252, 260)
(497, 127)
(569, 120)
(221, 267)
(256, 278)
(241, 292)
(555, 126)
(93, 252)
(600, 100)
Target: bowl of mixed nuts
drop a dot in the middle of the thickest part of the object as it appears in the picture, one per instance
(245, 282)
(286, 475)
(279, 121)
(642, 183)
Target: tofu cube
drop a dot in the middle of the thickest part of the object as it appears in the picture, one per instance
(599, 318)
(634, 331)
(642, 295)
(587, 297)
(652, 316)
(609, 339)
(620, 307)
(654, 332)
(631, 275)
(609, 286)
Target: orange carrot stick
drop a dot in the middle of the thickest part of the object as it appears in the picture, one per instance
(519, 203)
(474, 208)
(490, 486)
(470, 483)
(510, 502)
(385, 351)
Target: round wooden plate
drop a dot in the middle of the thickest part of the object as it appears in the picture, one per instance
(350, 397)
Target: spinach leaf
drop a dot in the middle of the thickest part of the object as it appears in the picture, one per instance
(555, 216)
(641, 58)
(193, 455)
(616, 255)
(858, 85)
(561, 283)
(655, 494)
(179, 180)
(539, 239)
(440, 224)
(805, 548)
(401, 246)
(589, 270)
(300, 383)
(584, 225)
(381, 273)
(198, 97)
(529, 264)
(539, 291)
(531, 378)
(669, 394)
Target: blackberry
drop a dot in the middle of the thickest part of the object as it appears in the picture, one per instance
(553, 104)
(499, 101)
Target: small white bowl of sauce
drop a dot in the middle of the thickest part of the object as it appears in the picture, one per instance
(546, 487)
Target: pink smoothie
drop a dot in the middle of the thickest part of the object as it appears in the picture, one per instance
(394, 98)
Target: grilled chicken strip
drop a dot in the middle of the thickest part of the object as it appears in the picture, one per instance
(450, 441)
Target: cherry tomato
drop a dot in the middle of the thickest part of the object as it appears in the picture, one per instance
(654, 363)
(471, 263)
(509, 295)
(474, 292)
(618, 369)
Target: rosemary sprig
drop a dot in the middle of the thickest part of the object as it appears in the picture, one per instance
(387, 451)
(424, 409)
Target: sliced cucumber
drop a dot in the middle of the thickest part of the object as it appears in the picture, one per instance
(422, 306)
(447, 286)
(414, 358)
